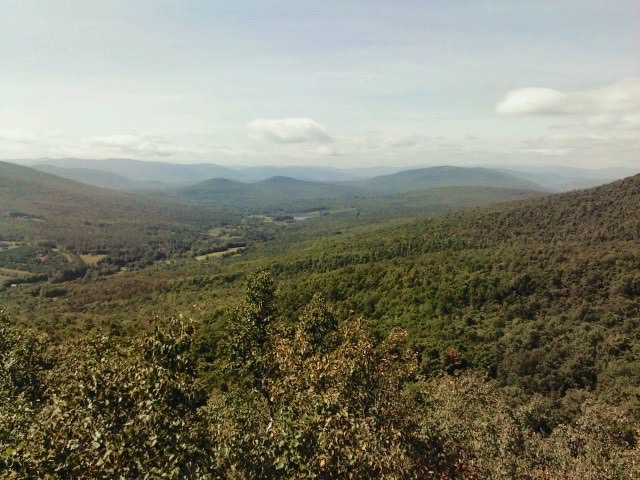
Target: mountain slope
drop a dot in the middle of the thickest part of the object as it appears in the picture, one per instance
(543, 294)
(604, 213)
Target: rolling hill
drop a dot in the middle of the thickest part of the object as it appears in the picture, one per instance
(273, 193)
(292, 195)
(530, 307)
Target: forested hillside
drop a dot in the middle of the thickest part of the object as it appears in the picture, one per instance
(317, 398)
(544, 294)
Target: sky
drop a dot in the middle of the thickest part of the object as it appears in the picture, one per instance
(335, 83)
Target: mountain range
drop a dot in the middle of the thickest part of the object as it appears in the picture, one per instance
(143, 174)
(128, 174)
(294, 195)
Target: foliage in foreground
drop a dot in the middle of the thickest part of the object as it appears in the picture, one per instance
(317, 399)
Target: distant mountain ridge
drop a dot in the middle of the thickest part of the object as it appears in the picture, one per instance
(274, 192)
(445, 176)
(143, 174)
(89, 176)
(147, 172)
(291, 194)
(137, 175)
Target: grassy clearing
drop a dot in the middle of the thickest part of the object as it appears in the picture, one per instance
(228, 251)
(4, 245)
(89, 259)
(223, 233)
(9, 273)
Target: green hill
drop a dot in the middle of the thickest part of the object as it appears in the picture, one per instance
(521, 324)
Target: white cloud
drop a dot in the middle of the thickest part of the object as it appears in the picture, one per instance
(542, 101)
(17, 135)
(288, 130)
(555, 152)
(616, 105)
(144, 144)
(56, 143)
(631, 121)
(588, 148)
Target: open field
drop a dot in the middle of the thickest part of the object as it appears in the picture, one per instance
(7, 272)
(91, 259)
(228, 251)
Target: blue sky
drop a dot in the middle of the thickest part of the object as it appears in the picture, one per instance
(323, 83)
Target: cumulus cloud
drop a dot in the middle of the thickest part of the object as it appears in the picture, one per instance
(288, 130)
(614, 105)
(17, 135)
(56, 143)
(542, 101)
(143, 144)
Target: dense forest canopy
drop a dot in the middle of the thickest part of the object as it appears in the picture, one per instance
(319, 398)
